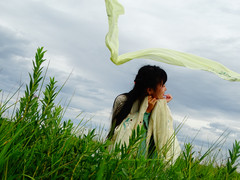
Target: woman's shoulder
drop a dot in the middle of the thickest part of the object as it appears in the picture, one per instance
(121, 98)
(119, 101)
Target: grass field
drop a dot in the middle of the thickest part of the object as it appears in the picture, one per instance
(35, 143)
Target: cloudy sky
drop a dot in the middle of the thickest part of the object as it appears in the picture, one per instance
(73, 33)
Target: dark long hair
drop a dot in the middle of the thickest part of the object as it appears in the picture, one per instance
(148, 77)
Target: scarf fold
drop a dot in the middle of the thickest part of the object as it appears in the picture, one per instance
(160, 126)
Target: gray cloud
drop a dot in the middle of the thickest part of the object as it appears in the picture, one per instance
(14, 58)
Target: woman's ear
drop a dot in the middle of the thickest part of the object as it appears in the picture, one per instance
(149, 91)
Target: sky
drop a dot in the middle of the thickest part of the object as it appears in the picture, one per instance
(73, 33)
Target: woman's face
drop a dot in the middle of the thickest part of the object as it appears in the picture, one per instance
(158, 93)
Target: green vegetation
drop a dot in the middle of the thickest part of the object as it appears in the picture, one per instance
(35, 143)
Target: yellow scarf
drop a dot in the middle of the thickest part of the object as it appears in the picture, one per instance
(114, 9)
(160, 126)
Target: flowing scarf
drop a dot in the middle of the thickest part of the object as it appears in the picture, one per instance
(114, 9)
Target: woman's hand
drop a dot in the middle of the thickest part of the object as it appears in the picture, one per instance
(168, 97)
(151, 103)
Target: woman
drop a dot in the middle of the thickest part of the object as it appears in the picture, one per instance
(149, 88)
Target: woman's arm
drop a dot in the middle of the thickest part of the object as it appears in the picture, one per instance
(151, 103)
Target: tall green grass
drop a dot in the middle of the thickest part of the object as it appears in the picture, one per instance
(35, 143)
